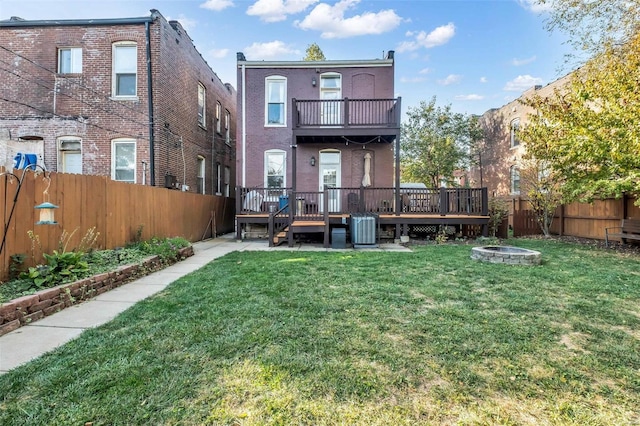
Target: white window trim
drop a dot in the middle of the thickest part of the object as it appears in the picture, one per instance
(115, 142)
(60, 152)
(218, 179)
(227, 181)
(274, 78)
(202, 121)
(76, 60)
(114, 46)
(218, 117)
(202, 170)
(227, 127)
(512, 133)
(513, 170)
(267, 153)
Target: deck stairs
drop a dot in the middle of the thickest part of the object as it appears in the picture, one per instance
(286, 235)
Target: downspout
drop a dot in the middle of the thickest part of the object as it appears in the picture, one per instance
(152, 154)
(244, 127)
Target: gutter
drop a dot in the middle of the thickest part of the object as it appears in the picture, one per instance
(152, 150)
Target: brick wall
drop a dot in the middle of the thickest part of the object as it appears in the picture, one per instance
(48, 105)
(357, 83)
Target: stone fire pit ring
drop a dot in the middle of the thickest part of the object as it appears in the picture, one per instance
(506, 254)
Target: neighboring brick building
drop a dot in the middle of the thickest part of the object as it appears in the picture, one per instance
(129, 98)
(500, 161)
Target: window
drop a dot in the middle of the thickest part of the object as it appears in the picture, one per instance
(123, 160)
(515, 180)
(275, 167)
(201, 172)
(276, 95)
(227, 181)
(330, 93)
(515, 126)
(218, 113)
(70, 60)
(70, 154)
(125, 69)
(227, 132)
(202, 105)
(218, 179)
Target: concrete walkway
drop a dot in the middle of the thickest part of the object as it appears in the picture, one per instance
(30, 341)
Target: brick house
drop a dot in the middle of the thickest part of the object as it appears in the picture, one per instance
(128, 98)
(501, 159)
(315, 145)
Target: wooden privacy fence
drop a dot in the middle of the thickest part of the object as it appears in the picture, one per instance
(525, 222)
(585, 220)
(118, 211)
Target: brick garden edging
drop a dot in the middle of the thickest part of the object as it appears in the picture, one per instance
(27, 309)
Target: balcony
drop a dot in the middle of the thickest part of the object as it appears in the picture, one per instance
(355, 116)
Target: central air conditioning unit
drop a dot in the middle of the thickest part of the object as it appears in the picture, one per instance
(363, 230)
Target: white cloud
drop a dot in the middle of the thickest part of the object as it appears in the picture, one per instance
(483, 79)
(217, 5)
(412, 80)
(437, 37)
(218, 53)
(451, 79)
(332, 22)
(471, 97)
(269, 50)
(277, 10)
(522, 83)
(535, 6)
(424, 71)
(187, 24)
(519, 62)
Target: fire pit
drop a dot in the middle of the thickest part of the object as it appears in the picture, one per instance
(506, 254)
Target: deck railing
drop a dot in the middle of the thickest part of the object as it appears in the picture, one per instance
(313, 205)
(346, 113)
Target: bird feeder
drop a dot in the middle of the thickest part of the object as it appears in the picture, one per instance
(47, 214)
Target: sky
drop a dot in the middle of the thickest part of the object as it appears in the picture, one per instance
(471, 54)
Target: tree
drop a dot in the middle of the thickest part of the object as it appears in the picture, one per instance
(436, 142)
(543, 189)
(314, 53)
(594, 25)
(588, 132)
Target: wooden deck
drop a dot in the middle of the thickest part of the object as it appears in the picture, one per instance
(397, 213)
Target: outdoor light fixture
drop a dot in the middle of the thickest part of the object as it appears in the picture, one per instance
(312, 161)
(314, 82)
(47, 216)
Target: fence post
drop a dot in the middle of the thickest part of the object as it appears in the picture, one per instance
(485, 202)
(345, 118)
(444, 205)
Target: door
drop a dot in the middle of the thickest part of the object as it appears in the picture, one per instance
(71, 162)
(331, 92)
(330, 178)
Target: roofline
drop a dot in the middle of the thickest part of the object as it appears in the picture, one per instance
(317, 64)
(76, 22)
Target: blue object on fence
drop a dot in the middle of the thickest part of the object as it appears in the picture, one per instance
(284, 200)
(24, 161)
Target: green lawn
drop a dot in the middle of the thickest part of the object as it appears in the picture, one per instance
(367, 338)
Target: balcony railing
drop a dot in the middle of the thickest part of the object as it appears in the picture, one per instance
(346, 113)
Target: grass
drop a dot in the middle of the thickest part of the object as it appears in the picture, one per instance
(357, 338)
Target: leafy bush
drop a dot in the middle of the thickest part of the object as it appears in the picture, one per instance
(63, 267)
